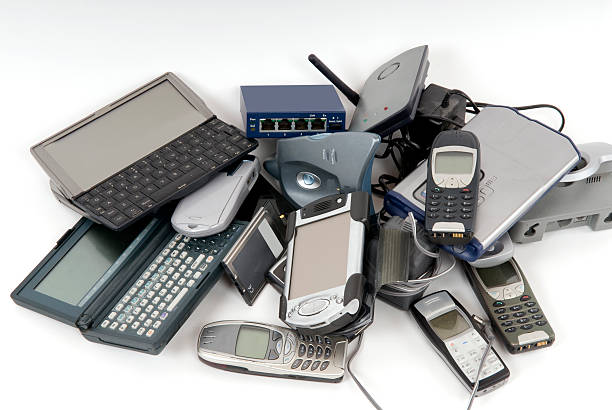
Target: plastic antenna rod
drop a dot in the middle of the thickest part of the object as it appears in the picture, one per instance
(341, 85)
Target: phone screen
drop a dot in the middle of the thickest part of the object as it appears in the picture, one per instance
(449, 324)
(501, 275)
(252, 342)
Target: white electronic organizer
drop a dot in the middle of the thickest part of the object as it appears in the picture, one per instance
(324, 283)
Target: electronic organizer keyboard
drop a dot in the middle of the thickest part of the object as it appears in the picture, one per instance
(184, 164)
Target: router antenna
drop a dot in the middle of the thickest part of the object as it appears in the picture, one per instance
(340, 85)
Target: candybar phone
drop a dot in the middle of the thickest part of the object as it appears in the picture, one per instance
(511, 306)
(449, 327)
(256, 348)
(324, 281)
(452, 187)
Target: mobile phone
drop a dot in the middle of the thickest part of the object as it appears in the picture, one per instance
(257, 348)
(511, 306)
(451, 330)
(453, 175)
(324, 280)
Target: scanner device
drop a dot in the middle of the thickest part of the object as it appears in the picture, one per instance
(212, 208)
(312, 167)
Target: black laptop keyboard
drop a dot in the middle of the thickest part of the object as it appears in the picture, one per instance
(193, 157)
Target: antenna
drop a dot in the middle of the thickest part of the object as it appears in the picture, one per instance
(340, 85)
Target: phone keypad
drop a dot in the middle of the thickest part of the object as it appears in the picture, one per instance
(314, 353)
(467, 351)
(526, 315)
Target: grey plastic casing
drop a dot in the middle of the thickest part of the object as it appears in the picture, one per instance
(64, 183)
(340, 162)
(521, 159)
(212, 208)
(501, 251)
(217, 347)
(582, 198)
(390, 96)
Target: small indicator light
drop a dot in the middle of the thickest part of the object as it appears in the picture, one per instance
(386, 108)
(365, 120)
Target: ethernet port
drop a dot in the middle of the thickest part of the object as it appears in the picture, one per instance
(317, 124)
(284, 125)
(266, 125)
(301, 124)
(335, 126)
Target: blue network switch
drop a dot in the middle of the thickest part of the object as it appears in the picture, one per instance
(277, 111)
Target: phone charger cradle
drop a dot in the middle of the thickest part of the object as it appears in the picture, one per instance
(212, 208)
(582, 198)
(521, 160)
(312, 167)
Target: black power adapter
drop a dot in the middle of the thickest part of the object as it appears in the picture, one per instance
(439, 109)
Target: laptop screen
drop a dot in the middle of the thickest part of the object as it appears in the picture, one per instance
(125, 134)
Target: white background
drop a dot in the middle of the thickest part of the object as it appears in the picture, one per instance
(63, 60)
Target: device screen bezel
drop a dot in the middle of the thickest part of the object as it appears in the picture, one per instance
(57, 173)
(27, 295)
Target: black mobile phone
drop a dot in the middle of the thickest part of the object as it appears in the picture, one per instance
(451, 330)
(511, 306)
(452, 187)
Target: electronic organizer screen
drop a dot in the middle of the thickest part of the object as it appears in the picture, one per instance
(146, 122)
(79, 270)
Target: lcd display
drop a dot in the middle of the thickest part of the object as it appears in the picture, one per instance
(500, 275)
(453, 162)
(449, 324)
(252, 342)
(320, 254)
(85, 263)
(125, 134)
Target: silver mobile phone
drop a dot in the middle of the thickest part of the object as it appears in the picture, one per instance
(449, 328)
(257, 348)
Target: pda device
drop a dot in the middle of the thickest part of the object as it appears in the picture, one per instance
(130, 158)
(511, 305)
(257, 348)
(132, 289)
(324, 280)
(452, 332)
(453, 175)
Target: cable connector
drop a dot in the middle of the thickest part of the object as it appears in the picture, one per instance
(485, 326)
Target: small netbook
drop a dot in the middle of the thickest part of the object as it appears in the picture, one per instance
(126, 160)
